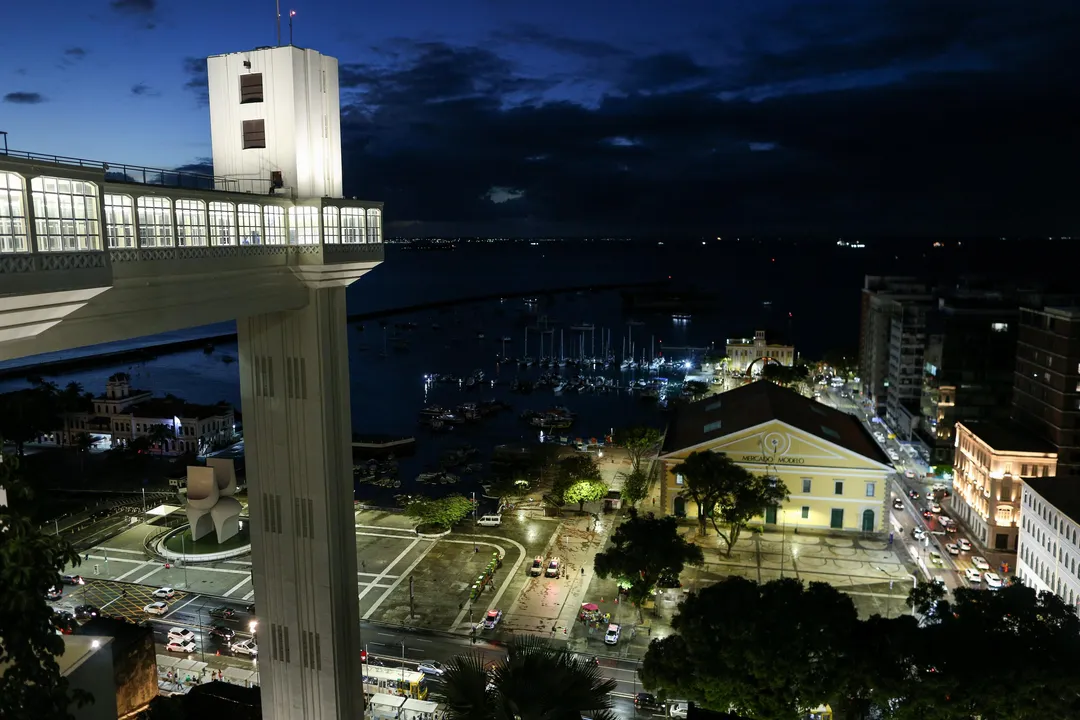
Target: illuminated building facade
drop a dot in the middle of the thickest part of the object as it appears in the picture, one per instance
(751, 355)
(990, 460)
(1048, 558)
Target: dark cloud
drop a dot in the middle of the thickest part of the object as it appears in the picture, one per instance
(24, 98)
(143, 90)
(891, 117)
(134, 7)
(197, 83)
(589, 49)
(75, 52)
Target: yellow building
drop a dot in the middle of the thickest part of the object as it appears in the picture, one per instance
(836, 474)
(746, 355)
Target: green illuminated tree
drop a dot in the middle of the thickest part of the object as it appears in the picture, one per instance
(442, 512)
(586, 490)
(31, 685)
(571, 470)
(635, 486)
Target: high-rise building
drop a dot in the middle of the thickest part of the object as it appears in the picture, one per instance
(1046, 394)
(968, 366)
(891, 343)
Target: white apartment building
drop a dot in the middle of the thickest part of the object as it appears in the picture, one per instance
(123, 414)
(1049, 554)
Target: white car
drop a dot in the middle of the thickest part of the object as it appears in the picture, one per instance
(679, 710)
(980, 562)
(952, 549)
(157, 608)
(612, 635)
(918, 533)
(972, 575)
(908, 474)
(246, 647)
(935, 508)
(898, 504)
(180, 646)
(992, 580)
(430, 667)
(181, 634)
(166, 593)
(965, 546)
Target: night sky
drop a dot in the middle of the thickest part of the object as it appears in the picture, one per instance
(711, 117)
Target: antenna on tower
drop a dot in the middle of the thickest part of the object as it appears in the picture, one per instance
(277, 7)
(292, 14)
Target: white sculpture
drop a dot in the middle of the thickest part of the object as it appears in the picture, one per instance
(210, 501)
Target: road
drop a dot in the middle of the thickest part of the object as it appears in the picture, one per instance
(913, 485)
(391, 646)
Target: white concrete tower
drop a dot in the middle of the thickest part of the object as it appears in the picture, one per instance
(275, 115)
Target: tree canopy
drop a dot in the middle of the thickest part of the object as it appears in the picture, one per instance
(31, 685)
(444, 512)
(645, 548)
(585, 490)
(572, 470)
(639, 442)
(778, 649)
(727, 494)
(635, 486)
(535, 681)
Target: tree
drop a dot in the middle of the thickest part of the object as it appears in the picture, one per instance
(26, 415)
(82, 443)
(640, 442)
(843, 361)
(635, 486)
(765, 651)
(535, 681)
(643, 549)
(695, 388)
(571, 470)
(442, 512)
(585, 490)
(159, 434)
(31, 685)
(727, 494)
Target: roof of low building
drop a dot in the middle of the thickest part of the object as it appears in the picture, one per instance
(760, 402)
(168, 407)
(1008, 436)
(1061, 492)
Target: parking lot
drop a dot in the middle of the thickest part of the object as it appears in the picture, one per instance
(123, 599)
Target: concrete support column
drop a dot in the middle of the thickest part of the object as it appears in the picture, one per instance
(294, 375)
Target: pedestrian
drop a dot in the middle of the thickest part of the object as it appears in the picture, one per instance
(475, 548)
(363, 565)
(86, 556)
(583, 572)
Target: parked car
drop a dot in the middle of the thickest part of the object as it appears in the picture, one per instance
(54, 593)
(552, 568)
(611, 637)
(156, 608)
(492, 619)
(647, 701)
(180, 646)
(165, 593)
(537, 568)
(181, 634)
(993, 581)
(980, 562)
(246, 647)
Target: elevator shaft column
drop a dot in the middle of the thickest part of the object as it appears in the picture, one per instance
(294, 389)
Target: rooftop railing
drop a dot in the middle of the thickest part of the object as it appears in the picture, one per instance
(137, 174)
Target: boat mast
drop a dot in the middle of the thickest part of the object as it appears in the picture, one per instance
(526, 342)
(562, 350)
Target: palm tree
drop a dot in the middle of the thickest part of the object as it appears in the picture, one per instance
(82, 443)
(535, 681)
(159, 434)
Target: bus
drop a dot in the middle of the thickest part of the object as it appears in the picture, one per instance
(394, 681)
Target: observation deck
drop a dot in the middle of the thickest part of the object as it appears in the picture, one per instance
(92, 252)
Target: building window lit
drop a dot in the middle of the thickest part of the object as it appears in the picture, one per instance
(999, 327)
(250, 217)
(120, 221)
(330, 231)
(871, 489)
(352, 225)
(155, 221)
(678, 479)
(254, 134)
(190, 223)
(222, 223)
(274, 220)
(66, 214)
(374, 225)
(303, 226)
(13, 227)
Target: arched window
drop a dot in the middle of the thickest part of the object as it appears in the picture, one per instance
(222, 223)
(13, 226)
(190, 223)
(374, 225)
(120, 221)
(352, 225)
(155, 221)
(65, 214)
(303, 226)
(250, 216)
(274, 219)
(330, 232)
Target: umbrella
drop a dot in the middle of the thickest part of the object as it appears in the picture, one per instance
(590, 606)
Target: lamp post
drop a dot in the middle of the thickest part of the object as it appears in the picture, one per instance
(183, 559)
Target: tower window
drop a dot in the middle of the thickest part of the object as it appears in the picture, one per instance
(254, 134)
(251, 88)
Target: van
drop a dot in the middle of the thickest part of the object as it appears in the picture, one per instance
(490, 520)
